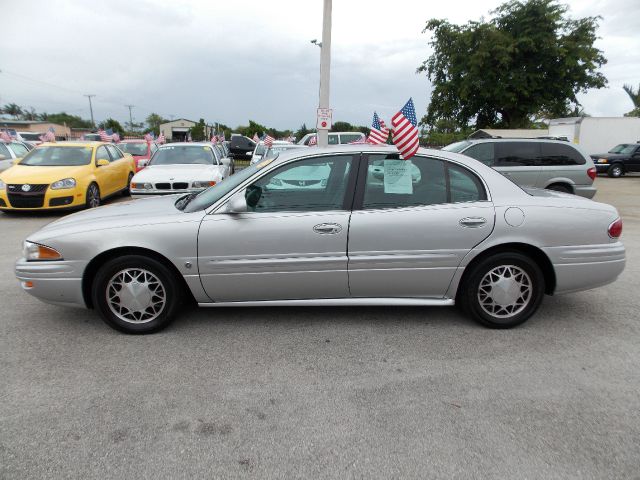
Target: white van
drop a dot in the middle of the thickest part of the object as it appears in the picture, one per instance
(335, 138)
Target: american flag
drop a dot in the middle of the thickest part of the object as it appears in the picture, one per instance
(359, 141)
(214, 139)
(48, 136)
(161, 138)
(256, 138)
(115, 137)
(149, 137)
(105, 136)
(379, 131)
(268, 140)
(405, 130)
(5, 137)
(221, 137)
(313, 141)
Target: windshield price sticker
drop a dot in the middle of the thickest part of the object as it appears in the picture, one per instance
(397, 177)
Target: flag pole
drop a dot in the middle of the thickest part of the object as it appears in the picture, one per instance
(325, 66)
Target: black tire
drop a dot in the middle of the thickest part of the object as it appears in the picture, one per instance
(164, 294)
(616, 170)
(560, 187)
(127, 192)
(92, 197)
(470, 292)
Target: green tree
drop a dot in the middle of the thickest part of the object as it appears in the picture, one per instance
(635, 98)
(198, 131)
(154, 121)
(62, 118)
(12, 109)
(112, 124)
(302, 131)
(529, 57)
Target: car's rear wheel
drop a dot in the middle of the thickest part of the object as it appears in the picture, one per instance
(93, 196)
(503, 290)
(127, 191)
(615, 170)
(136, 294)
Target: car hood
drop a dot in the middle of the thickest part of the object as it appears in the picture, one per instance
(145, 211)
(25, 174)
(610, 156)
(179, 173)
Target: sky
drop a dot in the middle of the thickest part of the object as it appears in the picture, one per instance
(237, 60)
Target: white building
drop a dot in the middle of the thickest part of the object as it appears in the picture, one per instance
(178, 130)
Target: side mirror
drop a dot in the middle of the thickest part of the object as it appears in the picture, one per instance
(226, 161)
(102, 162)
(236, 204)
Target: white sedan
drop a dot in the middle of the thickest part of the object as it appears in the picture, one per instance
(181, 168)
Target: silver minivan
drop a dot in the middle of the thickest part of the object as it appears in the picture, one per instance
(552, 164)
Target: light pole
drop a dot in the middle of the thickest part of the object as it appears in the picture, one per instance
(91, 109)
(130, 116)
(325, 67)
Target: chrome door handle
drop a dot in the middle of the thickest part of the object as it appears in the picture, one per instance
(327, 228)
(473, 222)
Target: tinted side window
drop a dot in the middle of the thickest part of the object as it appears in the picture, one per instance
(333, 139)
(115, 153)
(517, 154)
(484, 152)
(349, 137)
(312, 184)
(559, 154)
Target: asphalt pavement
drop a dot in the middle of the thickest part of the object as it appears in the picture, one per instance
(324, 392)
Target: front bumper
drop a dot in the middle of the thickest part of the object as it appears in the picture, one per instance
(139, 193)
(602, 167)
(58, 282)
(48, 200)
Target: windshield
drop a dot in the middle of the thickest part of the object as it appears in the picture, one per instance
(30, 136)
(92, 136)
(135, 149)
(183, 155)
(213, 194)
(626, 150)
(58, 157)
(260, 149)
(618, 148)
(457, 147)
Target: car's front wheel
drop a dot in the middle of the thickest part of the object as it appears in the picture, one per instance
(503, 290)
(615, 171)
(136, 294)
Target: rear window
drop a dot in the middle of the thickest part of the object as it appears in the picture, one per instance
(483, 152)
(517, 154)
(556, 154)
(135, 149)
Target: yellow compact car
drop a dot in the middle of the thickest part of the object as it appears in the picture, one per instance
(65, 175)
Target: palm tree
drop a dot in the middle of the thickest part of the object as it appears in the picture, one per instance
(12, 109)
(635, 98)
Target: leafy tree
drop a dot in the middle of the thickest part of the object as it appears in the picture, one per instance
(198, 131)
(444, 132)
(30, 114)
(62, 118)
(12, 109)
(112, 124)
(635, 98)
(529, 58)
(154, 121)
(302, 131)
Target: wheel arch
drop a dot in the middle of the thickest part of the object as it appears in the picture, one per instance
(529, 250)
(95, 264)
(562, 183)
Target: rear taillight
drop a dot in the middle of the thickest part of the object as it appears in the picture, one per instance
(592, 172)
(615, 229)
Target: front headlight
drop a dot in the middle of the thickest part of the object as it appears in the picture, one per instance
(33, 251)
(3, 185)
(64, 183)
(206, 184)
(603, 160)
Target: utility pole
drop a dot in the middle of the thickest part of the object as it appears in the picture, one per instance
(130, 116)
(91, 109)
(325, 67)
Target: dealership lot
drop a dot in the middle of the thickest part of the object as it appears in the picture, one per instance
(325, 392)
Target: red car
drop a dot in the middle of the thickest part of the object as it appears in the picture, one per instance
(140, 149)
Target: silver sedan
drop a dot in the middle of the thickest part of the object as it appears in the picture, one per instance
(345, 225)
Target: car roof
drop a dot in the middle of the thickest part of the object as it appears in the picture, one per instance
(134, 140)
(188, 144)
(508, 140)
(87, 143)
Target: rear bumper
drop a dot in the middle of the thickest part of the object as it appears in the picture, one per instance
(582, 267)
(59, 283)
(586, 191)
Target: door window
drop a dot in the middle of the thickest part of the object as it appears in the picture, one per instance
(333, 139)
(349, 137)
(394, 183)
(19, 149)
(102, 154)
(312, 184)
(115, 153)
(517, 154)
(483, 152)
(4, 151)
